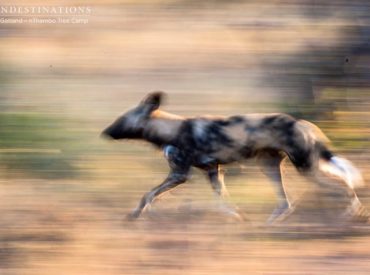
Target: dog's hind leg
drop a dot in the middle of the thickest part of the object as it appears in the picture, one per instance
(332, 170)
(356, 209)
(270, 162)
(216, 178)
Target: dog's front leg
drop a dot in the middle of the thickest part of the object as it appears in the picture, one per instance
(179, 165)
(216, 178)
(271, 163)
(173, 180)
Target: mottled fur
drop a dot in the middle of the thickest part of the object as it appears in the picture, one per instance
(208, 142)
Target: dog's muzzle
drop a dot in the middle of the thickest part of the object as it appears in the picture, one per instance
(109, 133)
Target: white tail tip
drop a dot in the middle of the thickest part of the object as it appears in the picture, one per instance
(343, 169)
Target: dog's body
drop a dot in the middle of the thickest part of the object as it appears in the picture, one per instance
(208, 142)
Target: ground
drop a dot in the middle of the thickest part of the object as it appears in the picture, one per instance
(79, 227)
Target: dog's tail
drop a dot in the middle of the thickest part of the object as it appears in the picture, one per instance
(329, 163)
(340, 168)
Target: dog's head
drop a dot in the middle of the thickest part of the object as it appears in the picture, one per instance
(131, 124)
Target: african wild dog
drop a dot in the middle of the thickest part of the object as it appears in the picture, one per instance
(208, 142)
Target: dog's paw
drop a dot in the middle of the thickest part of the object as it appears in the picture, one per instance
(357, 214)
(280, 213)
(132, 216)
(240, 216)
(231, 211)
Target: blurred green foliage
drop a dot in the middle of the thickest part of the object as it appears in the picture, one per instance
(35, 144)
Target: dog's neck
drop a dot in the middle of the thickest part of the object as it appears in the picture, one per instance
(162, 128)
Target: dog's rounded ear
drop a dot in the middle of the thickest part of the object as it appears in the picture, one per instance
(154, 100)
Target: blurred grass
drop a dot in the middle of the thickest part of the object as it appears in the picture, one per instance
(36, 144)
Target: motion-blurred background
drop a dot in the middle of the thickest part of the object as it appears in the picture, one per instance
(64, 191)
